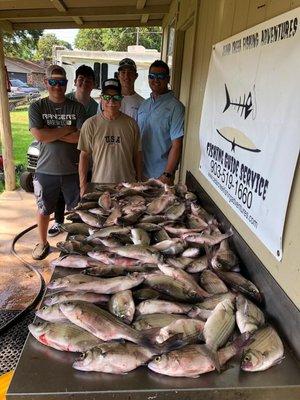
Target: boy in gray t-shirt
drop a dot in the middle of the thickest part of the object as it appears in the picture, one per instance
(55, 122)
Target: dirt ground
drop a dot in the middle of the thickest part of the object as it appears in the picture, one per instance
(18, 284)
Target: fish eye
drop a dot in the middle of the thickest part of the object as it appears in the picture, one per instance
(247, 358)
(157, 359)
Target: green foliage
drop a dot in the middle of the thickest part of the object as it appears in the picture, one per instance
(117, 39)
(21, 44)
(45, 45)
(89, 39)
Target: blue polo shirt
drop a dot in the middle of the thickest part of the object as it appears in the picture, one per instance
(161, 121)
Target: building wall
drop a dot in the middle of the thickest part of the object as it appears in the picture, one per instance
(215, 20)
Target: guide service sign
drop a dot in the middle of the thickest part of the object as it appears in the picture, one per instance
(250, 126)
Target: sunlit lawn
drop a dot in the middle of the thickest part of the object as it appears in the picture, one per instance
(21, 136)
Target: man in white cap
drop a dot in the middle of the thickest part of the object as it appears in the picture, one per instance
(112, 139)
(127, 76)
(55, 122)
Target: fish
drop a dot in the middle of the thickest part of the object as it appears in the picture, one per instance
(194, 360)
(113, 358)
(113, 217)
(90, 297)
(140, 237)
(63, 336)
(238, 282)
(185, 279)
(71, 261)
(117, 270)
(108, 231)
(91, 219)
(121, 304)
(188, 328)
(86, 205)
(109, 258)
(158, 205)
(51, 313)
(220, 325)
(191, 252)
(105, 201)
(74, 247)
(170, 247)
(75, 279)
(212, 283)
(265, 350)
(171, 287)
(76, 228)
(148, 226)
(175, 212)
(138, 252)
(198, 265)
(99, 322)
(248, 316)
(151, 321)
(179, 262)
(224, 258)
(162, 307)
(205, 239)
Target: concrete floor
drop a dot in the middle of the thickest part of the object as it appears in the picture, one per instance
(19, 285)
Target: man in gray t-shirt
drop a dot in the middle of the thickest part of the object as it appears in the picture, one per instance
(55, 122)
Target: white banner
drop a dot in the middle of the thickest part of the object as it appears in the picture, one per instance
(250, 125)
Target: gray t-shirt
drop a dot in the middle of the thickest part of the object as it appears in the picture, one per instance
(57, 158)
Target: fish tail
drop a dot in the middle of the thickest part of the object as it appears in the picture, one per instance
(228, 102)
(214, 357)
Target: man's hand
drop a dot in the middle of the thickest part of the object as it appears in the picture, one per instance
(71, 137)
(168, 181)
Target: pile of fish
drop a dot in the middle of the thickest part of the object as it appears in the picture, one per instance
(153, 282)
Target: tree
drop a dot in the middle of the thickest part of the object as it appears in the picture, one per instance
(118, 39)
(89, 39)
(45, 45)
(21, 44)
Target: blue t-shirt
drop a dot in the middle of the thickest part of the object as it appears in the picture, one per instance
(161, 121)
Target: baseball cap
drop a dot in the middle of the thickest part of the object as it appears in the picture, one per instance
(55, 71)
(127, 63)
(111, 84)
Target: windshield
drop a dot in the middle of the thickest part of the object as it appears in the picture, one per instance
(18, 83)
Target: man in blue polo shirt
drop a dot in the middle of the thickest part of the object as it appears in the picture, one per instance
(161, 122)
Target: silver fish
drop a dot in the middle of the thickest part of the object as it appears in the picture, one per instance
(187, 327)
(138, 252)
(76, 228)
(224, 258)
(198, 265)
(105, 201)
(90, 297)
(113, 217)
(170, 247)
(71, 261)
(114, 358)
(122, 306)
(212, 283)
(175, 212)
(99, 322)
(63, 336)
(265, 350)
(248, 316)
(139, 236)
(150, 321)
(90, 219)
(158, 205)
(61, 283)
(51, 313)
(162, 307)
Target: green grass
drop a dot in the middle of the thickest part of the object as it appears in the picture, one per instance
(21, 138)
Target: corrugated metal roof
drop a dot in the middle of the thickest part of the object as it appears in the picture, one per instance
(18, 65)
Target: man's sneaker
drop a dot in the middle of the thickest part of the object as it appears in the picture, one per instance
(40, 251)
(55, 229)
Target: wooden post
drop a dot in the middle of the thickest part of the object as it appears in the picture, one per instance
(5, 127)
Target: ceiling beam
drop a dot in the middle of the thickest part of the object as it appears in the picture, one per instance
(6, 26)
(140, 4)
(81, 12)
(78, 20)
(93, 24)
(59, 5)
(144, 18)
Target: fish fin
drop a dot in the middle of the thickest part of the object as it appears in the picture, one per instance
(242, 341)
(213, 356)
(279, 360)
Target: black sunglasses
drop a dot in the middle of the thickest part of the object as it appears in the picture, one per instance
(59, 82)
(159, 75)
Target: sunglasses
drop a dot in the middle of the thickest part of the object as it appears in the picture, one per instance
(115, 97)
(59, 82)
(159, 75)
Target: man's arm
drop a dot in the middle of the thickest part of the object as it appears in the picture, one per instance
(83, 170)
(137, 160)
(48, 135)
(173, 160)
(71, 138)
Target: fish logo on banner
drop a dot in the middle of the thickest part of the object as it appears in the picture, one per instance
(245, 106)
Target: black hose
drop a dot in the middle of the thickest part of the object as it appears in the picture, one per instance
(41, 290)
